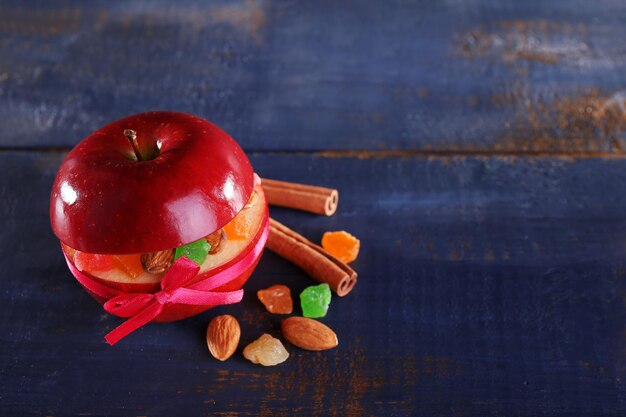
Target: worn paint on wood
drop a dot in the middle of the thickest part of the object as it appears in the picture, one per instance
(488, 286)
(478, 147)
(469, 76)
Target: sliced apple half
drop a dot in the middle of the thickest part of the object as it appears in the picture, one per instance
(125, 272)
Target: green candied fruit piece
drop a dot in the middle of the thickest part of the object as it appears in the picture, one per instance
(195, 251)
(315, 300)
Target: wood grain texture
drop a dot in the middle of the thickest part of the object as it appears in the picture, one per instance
(470, 76)
(478, 147)
(488, 286)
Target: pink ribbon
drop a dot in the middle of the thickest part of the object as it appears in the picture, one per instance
(175, 289)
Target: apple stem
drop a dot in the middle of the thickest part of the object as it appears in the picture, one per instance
(131, 135)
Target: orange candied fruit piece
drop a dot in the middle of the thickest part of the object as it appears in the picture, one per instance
(130, 264)
(276, 299)
(70, 252)
(342, 245)
(239, 227)
(91, 262)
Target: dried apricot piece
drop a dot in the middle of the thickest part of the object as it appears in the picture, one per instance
(130, 264)
(276, 299)
(69, 251)
(92, 262)
(239, 228)
(341, 245)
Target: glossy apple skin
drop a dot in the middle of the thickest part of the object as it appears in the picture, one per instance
(173, 312)
(106, 201)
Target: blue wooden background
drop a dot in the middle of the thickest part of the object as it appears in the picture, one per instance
(478, 147)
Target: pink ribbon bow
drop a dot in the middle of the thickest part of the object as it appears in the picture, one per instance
(142, 307)
(175, 289)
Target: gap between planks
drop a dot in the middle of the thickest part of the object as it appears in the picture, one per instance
(381, 153)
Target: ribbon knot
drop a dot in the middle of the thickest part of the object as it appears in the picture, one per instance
(143, 307)
(162, 297)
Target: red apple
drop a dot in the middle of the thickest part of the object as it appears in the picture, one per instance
(181, 179)
(194, 180)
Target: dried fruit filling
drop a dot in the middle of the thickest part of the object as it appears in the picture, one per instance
(209, 252)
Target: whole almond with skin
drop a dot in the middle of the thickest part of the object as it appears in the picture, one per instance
(222, 336)
(216, 240)
(308, 334)
(157, 262)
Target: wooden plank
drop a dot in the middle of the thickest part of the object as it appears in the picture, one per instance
(471, 76)
(488, 286)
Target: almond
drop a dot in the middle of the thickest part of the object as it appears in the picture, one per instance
(216, 240)
(308, 334)
(157, 262)
(222, 336)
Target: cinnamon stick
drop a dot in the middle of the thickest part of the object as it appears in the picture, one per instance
(316, 261)
(311, 198)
